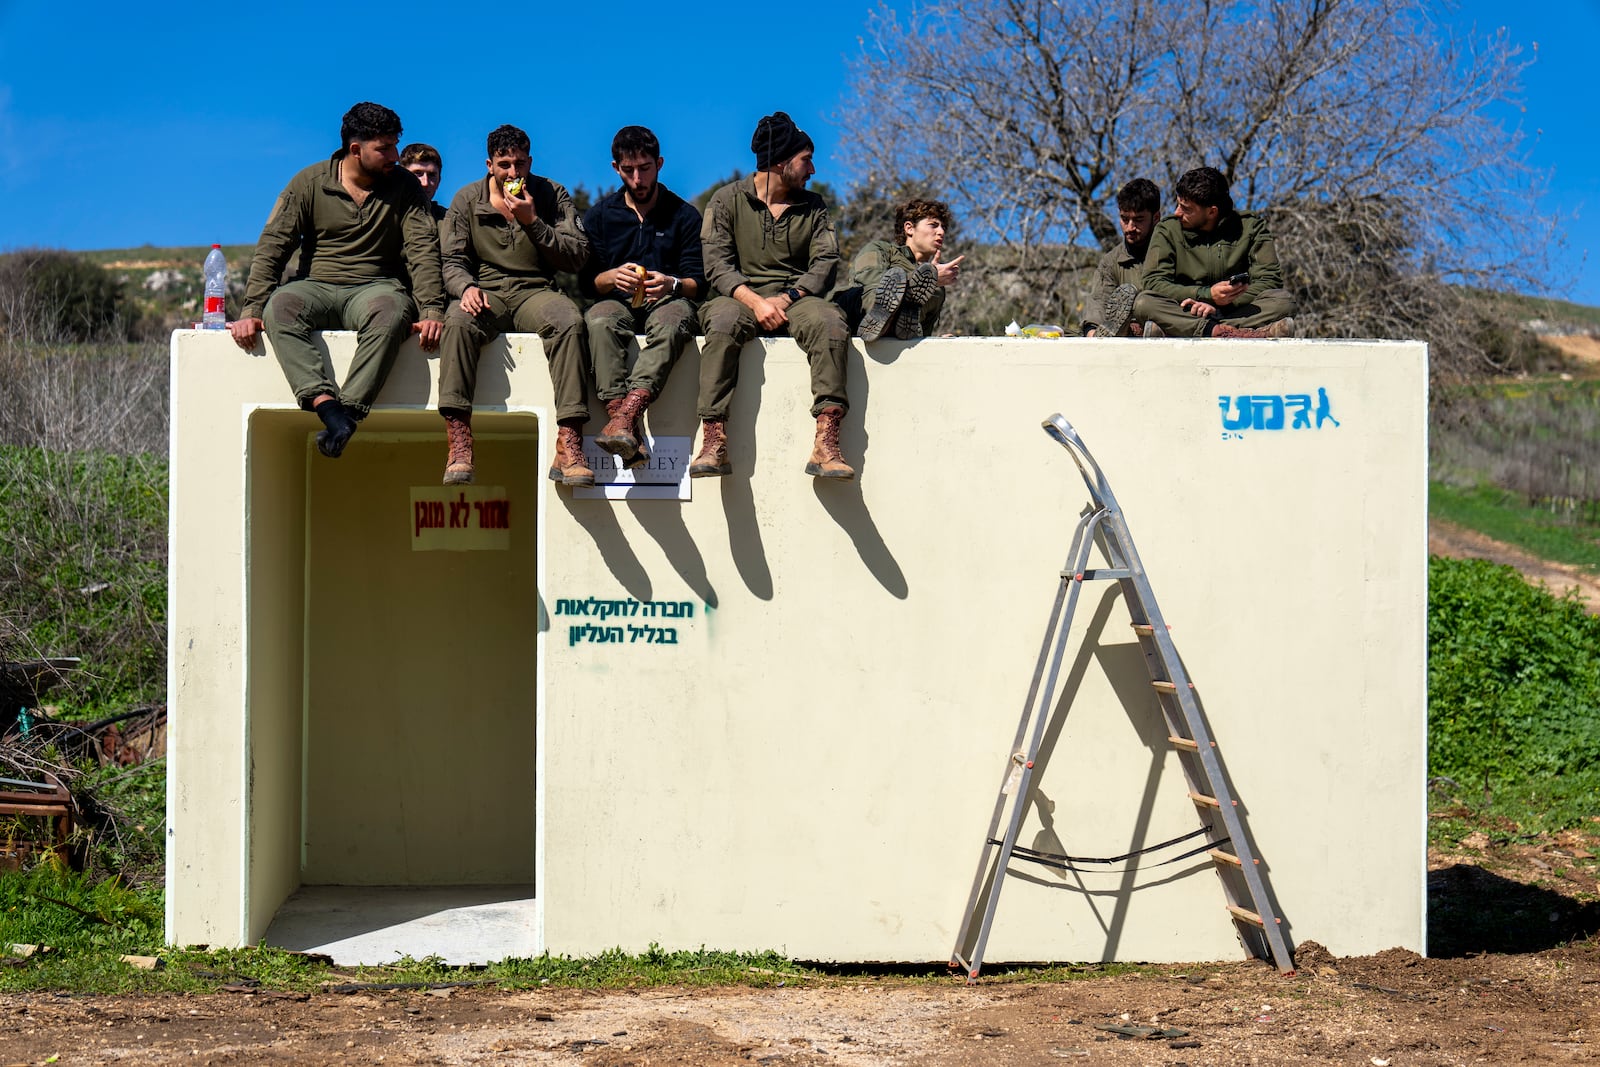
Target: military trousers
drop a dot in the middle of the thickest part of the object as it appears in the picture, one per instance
(818, 326)
(667, 327)
(1269, 306)
(381, 312)
(546, 312)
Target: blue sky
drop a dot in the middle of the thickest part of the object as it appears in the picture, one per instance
(124, 129)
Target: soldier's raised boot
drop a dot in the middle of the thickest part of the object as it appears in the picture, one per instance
(1119, 309)
(340, 426)
(712, 462)
(826, 459)
(623, 435)
(568, 467)
(458, 433)
(882, 302)
(908, 323)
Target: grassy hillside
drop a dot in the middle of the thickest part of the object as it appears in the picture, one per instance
(149, 257)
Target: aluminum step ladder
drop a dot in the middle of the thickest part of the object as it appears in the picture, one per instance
(1244, 889)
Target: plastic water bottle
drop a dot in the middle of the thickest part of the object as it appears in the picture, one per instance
(216, 317)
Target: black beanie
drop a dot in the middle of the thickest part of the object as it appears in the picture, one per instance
(777, 139)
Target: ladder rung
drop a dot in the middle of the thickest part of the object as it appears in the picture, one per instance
(1184, 743)
(1143, 629)
(1166, 687)
(1101, 574)
(1246, 915)
(1225, 857)
(1202, 799)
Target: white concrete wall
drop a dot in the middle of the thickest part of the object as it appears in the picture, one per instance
(812, 765)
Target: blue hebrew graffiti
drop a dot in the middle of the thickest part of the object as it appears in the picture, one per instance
(1270, 411)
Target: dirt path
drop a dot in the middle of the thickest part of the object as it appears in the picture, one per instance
(1584, 347)
(1393, 1008)
(1448, 539)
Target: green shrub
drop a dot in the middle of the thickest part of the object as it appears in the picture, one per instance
(1513, 677)
(83, 569)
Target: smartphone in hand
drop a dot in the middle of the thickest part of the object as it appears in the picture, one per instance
(1242, 278)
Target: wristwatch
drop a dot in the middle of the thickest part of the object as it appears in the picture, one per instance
(677, 287)
(793, 293)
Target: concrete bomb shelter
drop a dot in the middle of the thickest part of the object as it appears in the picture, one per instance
(762, 712)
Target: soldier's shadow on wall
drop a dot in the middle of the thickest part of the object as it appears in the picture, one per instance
(601, 524)
(663, 519)
(738, 498)
(843, 500)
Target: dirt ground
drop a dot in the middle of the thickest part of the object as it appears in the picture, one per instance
(1394, 1008)
(1448, 539)
(1514, 978)
(1584, 347)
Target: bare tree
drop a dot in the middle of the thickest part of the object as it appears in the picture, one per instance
(1362, 126)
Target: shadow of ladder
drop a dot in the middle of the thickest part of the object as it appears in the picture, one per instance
(1244, 888)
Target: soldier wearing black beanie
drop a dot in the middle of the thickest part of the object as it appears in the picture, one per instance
(777, 140)
(770, 258)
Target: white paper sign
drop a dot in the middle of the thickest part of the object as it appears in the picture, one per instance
(665, 477)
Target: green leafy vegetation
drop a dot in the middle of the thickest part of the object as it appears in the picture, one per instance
(70, 912)
(1514, 686)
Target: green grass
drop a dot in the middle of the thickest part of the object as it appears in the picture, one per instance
(199, 971)
(83, 569)
(49, 905)
(1506, 516)
(89, 925)
(1538, 805)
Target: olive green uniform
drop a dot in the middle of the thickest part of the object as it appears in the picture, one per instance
(354, 262)
(515, 266)
(1184, 264)
(1118, 267)
(867, 270)
(744, 245)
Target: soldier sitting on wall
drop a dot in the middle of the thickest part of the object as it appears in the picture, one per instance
(646, 269)
(506, 236)
(900, 284)
(1109, 312)
(427, 166)
(361, 224)
(1212, 271)
(771, 255)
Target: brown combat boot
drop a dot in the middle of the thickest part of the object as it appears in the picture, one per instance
(826, 459)
(568, 466)
(712, 462)
(458, 467)
(623, 436)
